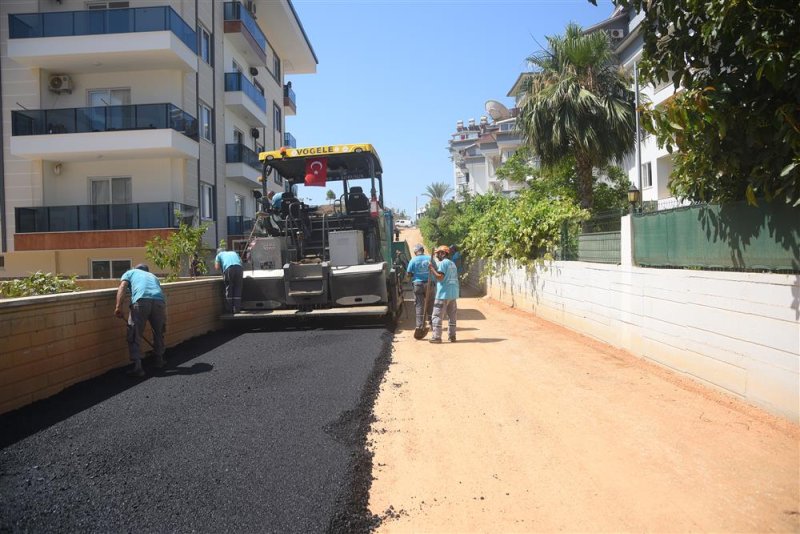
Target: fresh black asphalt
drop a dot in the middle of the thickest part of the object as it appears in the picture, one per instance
(246, 431)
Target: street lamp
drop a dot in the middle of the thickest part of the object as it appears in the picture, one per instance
(634, 196)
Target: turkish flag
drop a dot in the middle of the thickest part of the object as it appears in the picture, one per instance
(316, 171)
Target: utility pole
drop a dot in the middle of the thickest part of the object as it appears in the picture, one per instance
(638, 130)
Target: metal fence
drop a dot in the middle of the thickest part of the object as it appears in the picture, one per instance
(733, 236)
(599, 239)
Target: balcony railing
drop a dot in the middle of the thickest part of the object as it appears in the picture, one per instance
(236, 81)
(103, 119)
(100, 22)
(239, 153)
(239, 225)
(236, 11)
(288, 92)
(289, 140)
(94, 217)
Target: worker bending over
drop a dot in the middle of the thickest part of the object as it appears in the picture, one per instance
(447, 293)
(147, 304)
(230, 264)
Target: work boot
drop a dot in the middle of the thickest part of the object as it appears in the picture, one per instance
(452, 338)
(435, 340)
(137, 371)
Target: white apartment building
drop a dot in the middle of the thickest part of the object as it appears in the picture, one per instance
(117, 113)
(652, 177)
(478, 150)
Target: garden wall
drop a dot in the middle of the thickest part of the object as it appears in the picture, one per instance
(739, 332)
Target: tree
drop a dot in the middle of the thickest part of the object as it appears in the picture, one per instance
(437, 191)
(578, 103)
(736, 121)
(330, 195)
(175, 253)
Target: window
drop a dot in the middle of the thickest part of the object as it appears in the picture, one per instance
(276, 66)
(109, 268)
(277, 116)
(109, 97)
(205, 45)
(277, 178)
(205, 122)
(110, 190)
(236, 66)
(238, 205)
(647, 175)
(2, 262)
(238, 136)
(206, 201)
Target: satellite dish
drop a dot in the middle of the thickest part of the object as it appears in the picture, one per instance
(497, 110)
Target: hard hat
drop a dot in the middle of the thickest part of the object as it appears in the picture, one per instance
(443, 248)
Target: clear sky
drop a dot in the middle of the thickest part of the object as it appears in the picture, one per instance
(400, 73)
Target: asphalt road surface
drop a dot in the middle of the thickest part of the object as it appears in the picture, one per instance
(244, 431)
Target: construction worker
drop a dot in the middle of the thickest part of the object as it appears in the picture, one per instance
(455, 257)
(147, 304)
(230, 264)
(275, 200)
(417, 270)
(447, 293)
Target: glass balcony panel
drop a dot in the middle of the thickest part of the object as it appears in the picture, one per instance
(151, 116)
(27, 122)
(238, 153)
(31, 220)
(90, 119)
(90, 22)
(25, 25)
(119, 21)
(124, 216)
(155, 215)
(60, 121)
(121, 118)
(150, 19)
(236, 81)
(62, 218)
(93, 217)
(57, 24)
(289, 140)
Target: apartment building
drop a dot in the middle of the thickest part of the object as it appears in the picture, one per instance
(117, 114)
(652, 174)
(478, 150)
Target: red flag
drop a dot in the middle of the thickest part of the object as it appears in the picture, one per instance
(316, 171)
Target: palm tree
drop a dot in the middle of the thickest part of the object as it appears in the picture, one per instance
(578, 102)
(437, 191)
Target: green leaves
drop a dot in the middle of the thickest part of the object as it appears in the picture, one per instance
(174, 254)
(38, 283)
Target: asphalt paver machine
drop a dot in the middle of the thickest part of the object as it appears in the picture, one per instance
(335, 259)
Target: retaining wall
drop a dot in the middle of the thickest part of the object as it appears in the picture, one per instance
(51, 342)
(739, 332)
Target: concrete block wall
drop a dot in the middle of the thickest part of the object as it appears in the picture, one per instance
(49, 343)
(738, 332)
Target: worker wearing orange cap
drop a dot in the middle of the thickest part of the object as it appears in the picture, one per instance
(447, 293)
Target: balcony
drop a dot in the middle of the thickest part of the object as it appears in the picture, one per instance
(104, 132)
(94, 217)
(289, 100)
(105, 40)
(243, 31)
(242, 165)
(289, 140)
(239, 225)
(242, 97)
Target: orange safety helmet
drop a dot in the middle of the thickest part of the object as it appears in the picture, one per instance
(443, 248)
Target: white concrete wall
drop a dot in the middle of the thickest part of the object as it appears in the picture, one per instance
(739, 332)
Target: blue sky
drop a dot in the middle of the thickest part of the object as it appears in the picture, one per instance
(399, 74)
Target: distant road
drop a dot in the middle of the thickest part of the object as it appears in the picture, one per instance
(259, 431)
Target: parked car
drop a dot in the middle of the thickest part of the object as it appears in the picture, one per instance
(404, 223)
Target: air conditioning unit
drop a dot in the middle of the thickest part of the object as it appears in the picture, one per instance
(253, 71)
(254, 133)
(60, 83)
(251, 7)
(616, 34)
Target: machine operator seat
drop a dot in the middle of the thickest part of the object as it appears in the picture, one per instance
(356, 200)
(287, 200)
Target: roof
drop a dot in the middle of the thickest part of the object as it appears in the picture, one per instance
(519, 84)
(345, 162)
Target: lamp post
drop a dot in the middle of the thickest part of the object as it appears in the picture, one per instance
(634, 196)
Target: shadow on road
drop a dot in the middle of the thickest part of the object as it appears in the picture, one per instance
(42, 414)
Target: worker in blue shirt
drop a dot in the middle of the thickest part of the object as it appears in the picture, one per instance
(417, 270)
(230, 264)
(275, 199)
(447, 293)
(147, 304)
(455, 257)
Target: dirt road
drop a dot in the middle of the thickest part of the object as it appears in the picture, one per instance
(524, 426)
